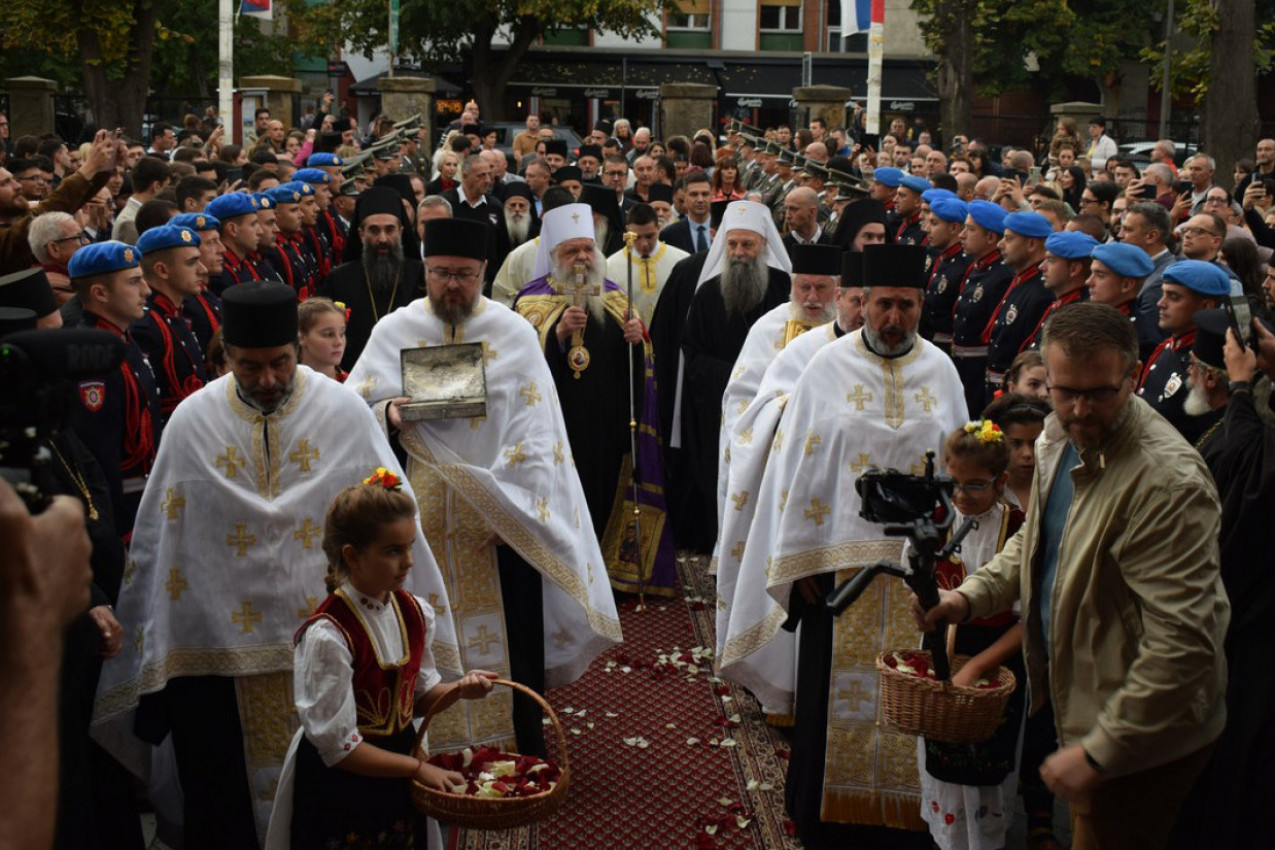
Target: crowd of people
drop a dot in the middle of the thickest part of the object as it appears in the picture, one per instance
(695, 344)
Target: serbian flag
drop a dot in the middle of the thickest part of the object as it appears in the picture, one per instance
(859, 15)
(257, 8)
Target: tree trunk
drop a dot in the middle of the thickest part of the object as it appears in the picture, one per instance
(490, 72)
(1230, 106)
(955, 74)
(120, 103)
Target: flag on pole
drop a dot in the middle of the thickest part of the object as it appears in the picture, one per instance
(263, 9)
(856, 16)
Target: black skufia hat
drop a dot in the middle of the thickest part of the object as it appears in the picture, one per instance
(30, 290)
(892, 264)
(15, 319)
(456, 237)
(816, 259)
(259, 314)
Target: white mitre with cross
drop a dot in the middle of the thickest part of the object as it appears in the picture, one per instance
(746, 215)
(573, 221)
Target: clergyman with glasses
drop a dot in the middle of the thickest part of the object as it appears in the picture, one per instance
(1117, 571)
(501, 503)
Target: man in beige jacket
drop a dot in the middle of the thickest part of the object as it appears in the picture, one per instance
(1123, 605)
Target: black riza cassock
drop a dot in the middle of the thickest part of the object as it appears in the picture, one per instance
(349, 284)
(711, 342)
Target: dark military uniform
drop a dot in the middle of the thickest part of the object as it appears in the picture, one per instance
(237, 270)
(1076, 296)
(318, 251)
(1163, 384)
(335, 231)
(1013, 324)
(118, 418)
(203, 313)
(296, 266)
(171, 347)
(946, 271)
(984, 286)
(909, 231)
(1149, 333)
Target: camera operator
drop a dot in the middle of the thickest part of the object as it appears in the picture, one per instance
(1122, 600)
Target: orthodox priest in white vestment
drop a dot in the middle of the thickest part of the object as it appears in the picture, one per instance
(501, 504)
(881, 396)
(227, 562)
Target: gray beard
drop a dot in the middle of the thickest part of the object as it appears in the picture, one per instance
(744, 284)
(382, 269)
(595, 277)
(518, 228)
(878, 345)
(601, 230)
(1197, 403)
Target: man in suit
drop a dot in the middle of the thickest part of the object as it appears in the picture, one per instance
(473, 200)
(801, 215)
(691, 233)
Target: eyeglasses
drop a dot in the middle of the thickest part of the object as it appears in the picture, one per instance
(1215, 200)
(81, 237)
(1085, 200)
(973, 486)
(462, 276)
(34, 178)
(1199, 231)
(1093, 396)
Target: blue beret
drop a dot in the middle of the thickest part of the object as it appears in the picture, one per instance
(231, 205)
(1071, 244)
(988, 216)
(312, 175)
(930, 194)
(284, 194)
(103, 258)
(197, 222)
(1195, 275)
(949, 208)
(888, 176)
(166, 236)
(1030, 224)
(319, 160)
(297, 186)
(916, 184)
(1124, 259)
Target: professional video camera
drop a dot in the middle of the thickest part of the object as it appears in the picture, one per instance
(38, 374)
(907, 506)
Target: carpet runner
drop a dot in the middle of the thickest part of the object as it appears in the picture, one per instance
(663, 754)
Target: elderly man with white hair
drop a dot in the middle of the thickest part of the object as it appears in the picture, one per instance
(54, 237)
(596, 347)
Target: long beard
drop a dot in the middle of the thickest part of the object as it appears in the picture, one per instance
(744, 284)
(1197, 403)
(601, 230)
(382, 268)
(595, 276)
(455, 312)
(877, 344)
(518, 226)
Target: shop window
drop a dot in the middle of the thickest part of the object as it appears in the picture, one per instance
(689, 24)
(780, 24)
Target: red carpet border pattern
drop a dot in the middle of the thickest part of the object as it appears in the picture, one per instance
(663, 754)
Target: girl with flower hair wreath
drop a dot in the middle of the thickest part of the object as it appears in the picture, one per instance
(363, 668)
(967, 791)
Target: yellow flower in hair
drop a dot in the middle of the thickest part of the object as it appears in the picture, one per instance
(383, 478)
(990, 432)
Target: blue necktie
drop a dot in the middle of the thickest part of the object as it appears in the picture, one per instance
(701, 244)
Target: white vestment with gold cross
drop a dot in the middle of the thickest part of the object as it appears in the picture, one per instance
(850, 409)
(510, 473)
(649, 275)
(770, 670)
(227, 555)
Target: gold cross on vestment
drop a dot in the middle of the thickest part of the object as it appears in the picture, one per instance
(175, 584)
(562, 638)
(542, 508)
(230, 461)
(303, 456)
(817, 511)
(859, 397)
(489, 353)
(139, 639)
(435, 604)
(746, 437)
(366, 386)
(307, 532)
(304, 612)
(241, 539)
(778, 445)
(812, 442)
(483, 640)
(783, 501)
(738, 551)
(172, 503)
(246, 617)
(740, 499)
(516, 455)
(864, 461)
(530, 394)
(855, 694)
(558, 454)
(926, 400)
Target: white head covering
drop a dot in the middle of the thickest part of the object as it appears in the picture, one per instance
(746, 215)
(573, 221)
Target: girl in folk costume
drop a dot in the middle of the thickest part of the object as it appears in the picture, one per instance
(362, 669)
(967, 791)
(321, 328)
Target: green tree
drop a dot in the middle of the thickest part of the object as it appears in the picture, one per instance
(437, 32)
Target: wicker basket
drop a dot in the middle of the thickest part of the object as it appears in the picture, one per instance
(491, 812)
(941, 711)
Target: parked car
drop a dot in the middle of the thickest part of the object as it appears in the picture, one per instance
(1140, 152)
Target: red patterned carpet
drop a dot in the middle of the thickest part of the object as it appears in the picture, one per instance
(650, 735)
